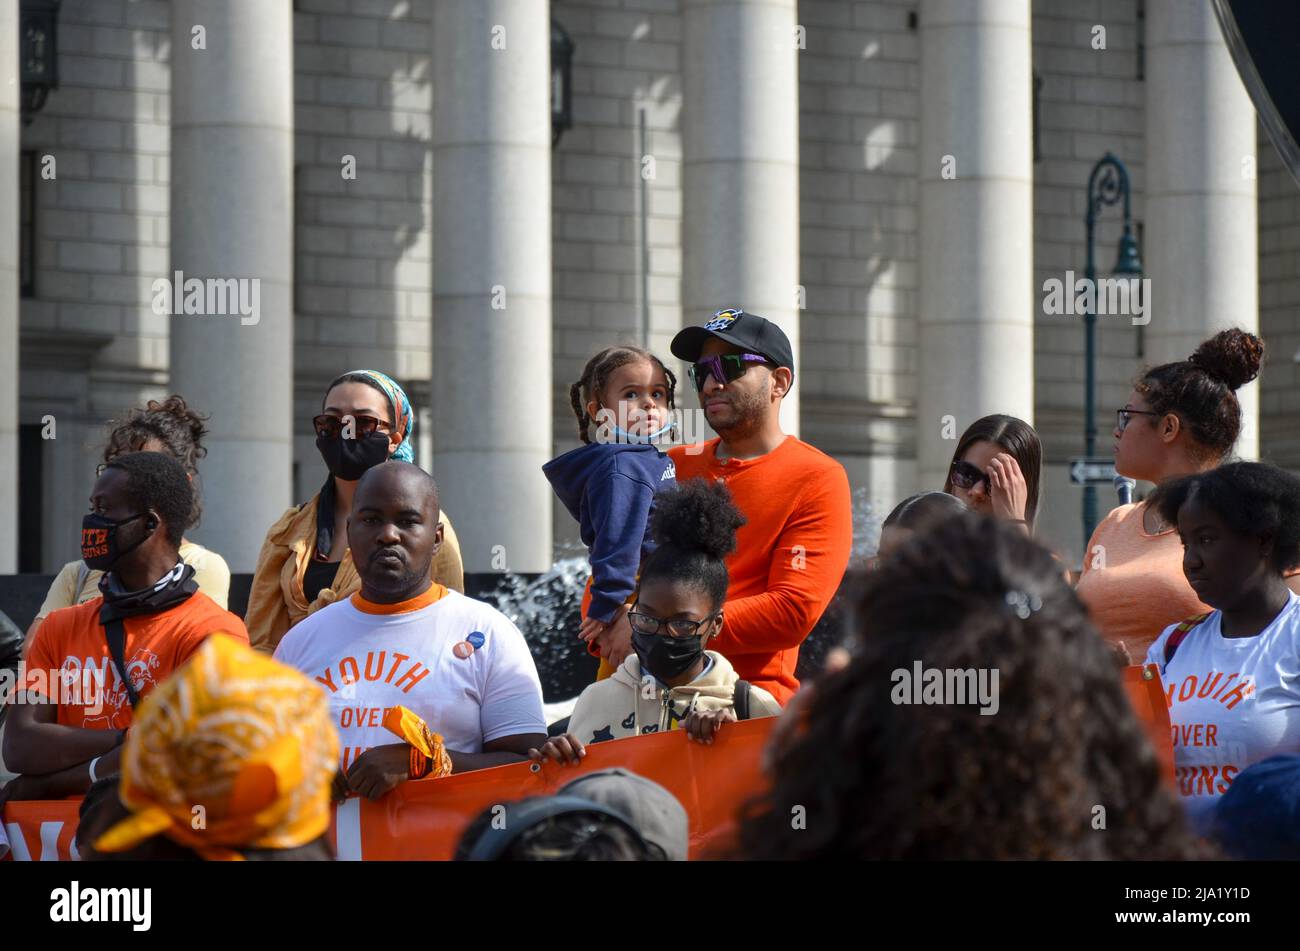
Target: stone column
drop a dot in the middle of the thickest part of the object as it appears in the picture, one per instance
(976, 191)
(740, 166)
(492, 396)
(9, 206)
(232, 217)
(1200, 243)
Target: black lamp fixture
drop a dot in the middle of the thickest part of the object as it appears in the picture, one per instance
(38, 53)
(1129, 262)
(561, 82)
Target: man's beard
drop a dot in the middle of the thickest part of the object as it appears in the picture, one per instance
(407, 581)
(747, 415)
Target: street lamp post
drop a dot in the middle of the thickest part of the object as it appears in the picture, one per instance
(1107, 184)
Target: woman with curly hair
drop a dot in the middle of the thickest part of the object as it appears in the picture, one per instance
(174, 429)
(1232, 676)
(876, 777)
(1181, 418)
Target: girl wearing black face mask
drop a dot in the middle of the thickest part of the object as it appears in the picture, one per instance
(365, 419)
(671, 680)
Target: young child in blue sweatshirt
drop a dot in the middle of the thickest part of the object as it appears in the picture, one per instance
(608, 484)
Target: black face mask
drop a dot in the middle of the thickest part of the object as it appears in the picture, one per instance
(666, 657)
(99, 544)
(348, 459)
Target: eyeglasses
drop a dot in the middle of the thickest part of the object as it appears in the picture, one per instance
(647, 624)
(1122, 416)
(724, 368)
(329, 427)
(967, 476)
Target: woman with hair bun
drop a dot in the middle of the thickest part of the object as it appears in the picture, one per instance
(670, 681)
(1181, 418)
(173, 429)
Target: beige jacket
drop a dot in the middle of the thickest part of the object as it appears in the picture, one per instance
(211, 574)
(624, 705)
(277, 601)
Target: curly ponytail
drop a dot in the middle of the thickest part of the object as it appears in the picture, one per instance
(695, 527)
(1201, 389)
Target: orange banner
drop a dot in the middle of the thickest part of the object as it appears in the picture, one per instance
(424, 819)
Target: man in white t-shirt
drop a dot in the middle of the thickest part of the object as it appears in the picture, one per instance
(403, 640)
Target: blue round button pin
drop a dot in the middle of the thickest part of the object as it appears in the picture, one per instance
(476, 639)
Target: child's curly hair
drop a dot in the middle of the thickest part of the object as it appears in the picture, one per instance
(596, 374)
(883, 780)
(694, 526)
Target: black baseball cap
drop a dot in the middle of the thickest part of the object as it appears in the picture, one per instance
(756, 334)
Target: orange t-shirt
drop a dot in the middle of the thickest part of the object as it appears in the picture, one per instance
(1132, 582)
(790, 554)
(71, 640)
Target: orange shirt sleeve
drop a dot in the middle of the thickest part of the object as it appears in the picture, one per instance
(40, 656)
(808, 563)
(209, 623)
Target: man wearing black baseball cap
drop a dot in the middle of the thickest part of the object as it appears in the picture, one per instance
(793, 549)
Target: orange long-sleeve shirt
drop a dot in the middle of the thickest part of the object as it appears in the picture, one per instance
(790, 554)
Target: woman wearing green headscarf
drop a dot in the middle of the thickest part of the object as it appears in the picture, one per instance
(305, 564)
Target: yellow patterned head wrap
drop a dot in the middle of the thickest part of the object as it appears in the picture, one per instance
(234, 750)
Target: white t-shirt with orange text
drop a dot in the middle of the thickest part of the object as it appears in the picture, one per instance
(1233, 701)
(456, 662)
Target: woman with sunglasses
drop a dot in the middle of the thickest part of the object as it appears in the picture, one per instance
(996, 468)
(173, 429)
(670, 680)
(1181, 418)
(304, 565)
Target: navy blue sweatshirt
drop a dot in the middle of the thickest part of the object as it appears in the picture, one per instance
(609, 488)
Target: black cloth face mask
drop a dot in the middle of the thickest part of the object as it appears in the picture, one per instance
(666, 657)
(99, 544)
(168, 591)
(348, 459)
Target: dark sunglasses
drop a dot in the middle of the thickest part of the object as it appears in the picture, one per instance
(724, 368)
(648, 624)
(966, 476)
(1124, 416)
(329, 427)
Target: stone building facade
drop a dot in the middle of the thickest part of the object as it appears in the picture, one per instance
(793, 165)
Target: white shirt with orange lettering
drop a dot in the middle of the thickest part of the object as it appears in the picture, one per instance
(1233, 701)
(456, 662)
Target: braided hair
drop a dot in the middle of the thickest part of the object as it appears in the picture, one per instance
(597, 373)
